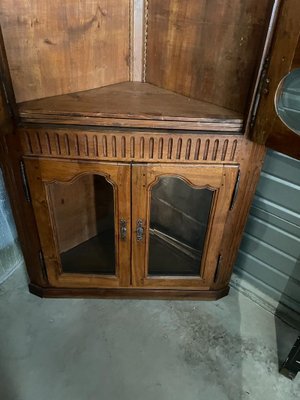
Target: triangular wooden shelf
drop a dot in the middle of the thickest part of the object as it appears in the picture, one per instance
(131, 104)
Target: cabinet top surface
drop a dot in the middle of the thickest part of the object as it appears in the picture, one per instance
(131, 104)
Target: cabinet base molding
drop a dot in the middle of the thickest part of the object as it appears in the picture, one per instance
(146, 294)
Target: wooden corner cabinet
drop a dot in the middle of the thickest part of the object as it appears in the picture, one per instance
(132, 134)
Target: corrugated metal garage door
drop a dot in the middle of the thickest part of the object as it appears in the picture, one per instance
(10, 253)
(269, 256)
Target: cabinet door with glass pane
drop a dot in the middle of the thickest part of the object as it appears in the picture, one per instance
(178, 218)
(83, 216)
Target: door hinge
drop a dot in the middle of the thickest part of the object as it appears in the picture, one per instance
(217, 271)
(263, 88)
(235, 190)
(25, 182)
(7, 100)
(43, 265)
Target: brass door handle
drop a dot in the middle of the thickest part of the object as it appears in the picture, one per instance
(123, 229)
(139, 230)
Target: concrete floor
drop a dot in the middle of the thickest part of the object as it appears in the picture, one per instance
(139, 350)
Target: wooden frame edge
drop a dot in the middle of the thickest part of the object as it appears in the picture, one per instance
(144, 294)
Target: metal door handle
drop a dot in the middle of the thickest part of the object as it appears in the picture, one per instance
(139, 230)
(123, 229)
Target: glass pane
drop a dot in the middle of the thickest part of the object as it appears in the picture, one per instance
(83, 211)
(178, 224)
(287, 101)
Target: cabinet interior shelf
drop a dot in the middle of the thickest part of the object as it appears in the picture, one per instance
(131, 104)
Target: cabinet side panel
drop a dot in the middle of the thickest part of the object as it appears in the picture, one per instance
(285, 56)
(252, 156)
(10, 158)
(207, 50)
(63, 47)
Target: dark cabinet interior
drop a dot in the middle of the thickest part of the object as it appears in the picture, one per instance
(179, 216)
(83, 217)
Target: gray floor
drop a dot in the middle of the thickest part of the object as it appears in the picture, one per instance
(119, 350)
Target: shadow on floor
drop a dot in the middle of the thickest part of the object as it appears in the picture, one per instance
(118, 349)
(284, 341)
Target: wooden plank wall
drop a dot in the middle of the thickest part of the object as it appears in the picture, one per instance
(269, 256)
(56, 47)
(207, 50)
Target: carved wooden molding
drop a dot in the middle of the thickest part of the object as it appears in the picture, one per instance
(128, 146)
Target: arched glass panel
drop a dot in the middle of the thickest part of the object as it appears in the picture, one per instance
(179, 217)
(287, 100)
(83, 214)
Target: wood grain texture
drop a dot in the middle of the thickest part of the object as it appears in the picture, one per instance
(124, 145)
(61, 47)
(221, 179)
(206, 49)
(296, 59)
(137, 40)
(203, 54)
(8, 107)
(40, 174)
(250, 167)
(269, 129)
(131, 104)
(74, 215)
(10, 158)
(123, 293)
(6, 123)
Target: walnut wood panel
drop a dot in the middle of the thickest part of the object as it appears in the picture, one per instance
(6, 123)
(40, 174)
(61, 47)
(116, 145)
(131, 293)
(207, 50)
(221, 179)
(296, 59)
(285, 55)
(7, 98)
(10, 158)
(137, 40)
(75, 215)
(250, 168)
(131, 104)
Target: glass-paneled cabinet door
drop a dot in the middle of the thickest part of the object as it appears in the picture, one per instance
(83, 215)
(178, 221)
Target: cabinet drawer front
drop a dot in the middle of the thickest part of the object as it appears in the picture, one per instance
(83, 216)
(178, 217)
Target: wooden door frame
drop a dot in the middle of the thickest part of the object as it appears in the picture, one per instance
(41, 173)
(221, 179)
(283, 58)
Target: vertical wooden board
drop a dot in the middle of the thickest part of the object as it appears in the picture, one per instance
(204, 49)
(74, 216)
(5, 121)
(59, 47)
(250, 167)
(137, 40)
(284, 57)
(296, 60)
